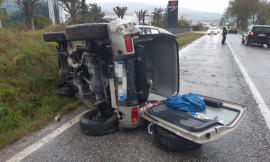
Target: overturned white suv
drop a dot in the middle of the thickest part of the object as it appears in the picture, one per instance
(122, 73)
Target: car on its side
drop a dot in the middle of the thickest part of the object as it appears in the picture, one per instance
(257, 34)
(123, 73)
(213, 30)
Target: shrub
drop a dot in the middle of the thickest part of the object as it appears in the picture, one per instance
(42, 22)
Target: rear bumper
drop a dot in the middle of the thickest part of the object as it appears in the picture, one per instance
(259, 40)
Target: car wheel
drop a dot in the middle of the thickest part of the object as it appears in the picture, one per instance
(92, 124)
(87, 31)
(171, 142)
(246, 42)
(54, 37)
(242, 41)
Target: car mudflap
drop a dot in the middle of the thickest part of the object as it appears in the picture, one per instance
(194, 129)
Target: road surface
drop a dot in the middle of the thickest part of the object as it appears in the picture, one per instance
(256, 61)
(207, 68)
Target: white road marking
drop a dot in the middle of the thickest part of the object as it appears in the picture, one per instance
(34, 147)
(257, 96)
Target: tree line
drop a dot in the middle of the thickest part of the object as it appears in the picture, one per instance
(245, 12)
(81, 12)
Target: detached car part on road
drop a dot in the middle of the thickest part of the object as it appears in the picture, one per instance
(126, 71)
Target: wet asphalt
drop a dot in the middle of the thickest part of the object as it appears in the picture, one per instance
(256, 61)
(207, 69)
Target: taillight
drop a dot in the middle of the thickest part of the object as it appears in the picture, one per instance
(134, 115)
(128, 43)
(252, 33)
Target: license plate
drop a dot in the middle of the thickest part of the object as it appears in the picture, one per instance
(261, 35)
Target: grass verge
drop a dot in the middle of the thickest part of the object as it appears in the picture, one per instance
(187, 38)
(28, 81)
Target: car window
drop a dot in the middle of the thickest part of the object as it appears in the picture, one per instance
(154, 31)
(146, 31)
(261, 29)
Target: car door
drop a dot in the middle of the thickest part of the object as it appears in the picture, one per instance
(162, 65)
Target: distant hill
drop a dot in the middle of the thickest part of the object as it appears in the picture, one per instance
(189, 14)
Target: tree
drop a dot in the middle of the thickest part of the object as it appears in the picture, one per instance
(183, 23)
(27, 6)
(120, 11)
(84, 8)
(1, 14)
(263, 15)
(157, 15)
(141, 14)
(243, 10)
(73, 8)
(96, 13)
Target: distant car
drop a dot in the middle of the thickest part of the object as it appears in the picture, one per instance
(233, 30)
(257, 34)
(213, 30)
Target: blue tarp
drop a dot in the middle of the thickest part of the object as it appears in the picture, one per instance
(188, 103)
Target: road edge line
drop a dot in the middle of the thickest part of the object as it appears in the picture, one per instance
(188, 48)
(257, 96)
(49, 137)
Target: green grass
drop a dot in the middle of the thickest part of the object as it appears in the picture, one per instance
(187, 38)
(28, 81)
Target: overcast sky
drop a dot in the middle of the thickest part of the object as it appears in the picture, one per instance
(202, 5)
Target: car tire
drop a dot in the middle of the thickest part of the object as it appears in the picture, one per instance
(87, 31)
(93, 127)
(242, 41)
(246, 42)
(54, 37)
(169, 141)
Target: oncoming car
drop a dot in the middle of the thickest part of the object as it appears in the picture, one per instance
(213, 30)
(123, 73)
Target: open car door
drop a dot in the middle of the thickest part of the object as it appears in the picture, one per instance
(161, 57)
(194, 129)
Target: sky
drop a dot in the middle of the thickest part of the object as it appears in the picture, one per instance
(201, 5)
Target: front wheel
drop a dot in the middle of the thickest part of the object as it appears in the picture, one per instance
(94, 123)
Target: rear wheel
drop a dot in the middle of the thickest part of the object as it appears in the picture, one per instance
(246, 42)
(98, 123)
(170, 141)
(242, 41)
(87, 31)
